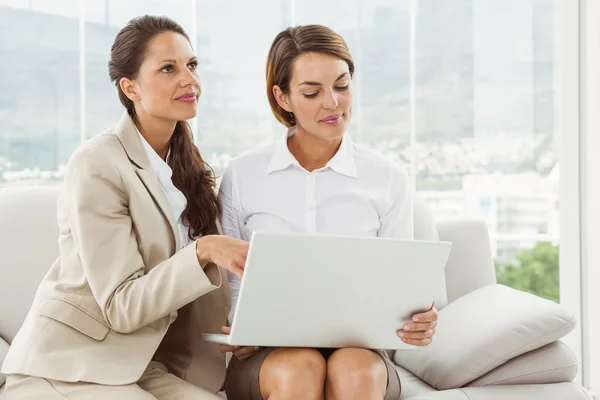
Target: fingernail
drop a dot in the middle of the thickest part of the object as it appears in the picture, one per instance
(406, 328)
(401, 334)
(415, 319)
(256, 349)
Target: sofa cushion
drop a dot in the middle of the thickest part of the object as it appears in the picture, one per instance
(553, 363)
(481, 331)
(558, 391)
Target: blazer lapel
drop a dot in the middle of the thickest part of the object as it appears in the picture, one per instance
(128, 134)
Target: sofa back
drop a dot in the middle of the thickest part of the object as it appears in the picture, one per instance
(28, 246)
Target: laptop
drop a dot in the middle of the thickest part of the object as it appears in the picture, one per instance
(324, 291)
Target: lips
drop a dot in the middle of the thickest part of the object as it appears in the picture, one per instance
(188, 97)
(332, 119)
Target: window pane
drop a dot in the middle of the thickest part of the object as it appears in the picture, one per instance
(234, 113)
(104, 19)
(486, 98)
(529, 266)
(39, 102)
(487, 140)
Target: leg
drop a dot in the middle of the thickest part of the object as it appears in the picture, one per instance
(356, 374)
(165, 386)
(21, 387)
(297, 374)
(277, 374)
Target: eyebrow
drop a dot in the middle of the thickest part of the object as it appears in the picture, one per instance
(311, 83)
(175, 62)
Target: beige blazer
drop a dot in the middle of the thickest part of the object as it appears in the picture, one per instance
(101, 313)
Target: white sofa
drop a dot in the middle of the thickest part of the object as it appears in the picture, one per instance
(493, 343)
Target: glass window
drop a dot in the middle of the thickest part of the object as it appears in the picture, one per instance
(486, 102)
(39, 103)
(463, 93)
(234, 114)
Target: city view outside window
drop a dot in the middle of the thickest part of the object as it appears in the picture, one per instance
(462, 93)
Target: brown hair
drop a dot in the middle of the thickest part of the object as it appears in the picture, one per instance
(191, 174)
(287, 46)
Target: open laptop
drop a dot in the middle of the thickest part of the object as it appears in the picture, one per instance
(309, 290)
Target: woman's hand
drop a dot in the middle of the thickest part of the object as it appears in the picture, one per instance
(241, 353)
(420, 332)
(226, 252)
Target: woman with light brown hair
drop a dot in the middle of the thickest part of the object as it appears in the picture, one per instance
(316, 180)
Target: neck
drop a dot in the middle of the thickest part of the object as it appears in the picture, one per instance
(312, 152)
(157, 133)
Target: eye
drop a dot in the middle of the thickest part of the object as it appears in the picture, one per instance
(311, 95)
(167, 68)
(193, 65)
(342, 88)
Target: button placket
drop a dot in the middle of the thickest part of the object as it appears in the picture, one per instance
(311, 207)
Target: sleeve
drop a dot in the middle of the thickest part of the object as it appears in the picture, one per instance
(102, 228)
(397, 221)
(232, 222)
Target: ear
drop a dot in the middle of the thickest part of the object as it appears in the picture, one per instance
(127, 86)
(282, 98)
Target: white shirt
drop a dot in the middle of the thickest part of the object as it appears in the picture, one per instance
(358, 193)
(177, 200)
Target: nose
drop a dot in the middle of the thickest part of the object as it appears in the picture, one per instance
(330, 100)
(189, 78)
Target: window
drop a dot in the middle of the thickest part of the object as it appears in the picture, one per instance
(39, 103)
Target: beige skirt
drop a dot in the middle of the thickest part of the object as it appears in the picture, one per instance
(242, 381)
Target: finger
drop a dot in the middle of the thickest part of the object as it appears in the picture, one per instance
(244, 357)
(417, 342)
(418, 326)
(417, 335)
(226, 330)
(429, 316)
(237, 271)
(223, 348)
(244, 351)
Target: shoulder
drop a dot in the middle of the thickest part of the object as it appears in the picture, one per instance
(98, 156)
(372, 162)
(253, 158)
(251, 162)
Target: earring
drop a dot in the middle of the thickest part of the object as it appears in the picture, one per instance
(292, 120)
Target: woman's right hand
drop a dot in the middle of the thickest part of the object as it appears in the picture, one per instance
(224, 251)
(241, 353)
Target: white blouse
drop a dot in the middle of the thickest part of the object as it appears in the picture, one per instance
(177, 200)
(358, 193)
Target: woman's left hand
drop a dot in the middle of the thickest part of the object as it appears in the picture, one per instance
(420, 331)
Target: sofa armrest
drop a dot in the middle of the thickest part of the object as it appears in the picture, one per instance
(3, 351)
(481, 331)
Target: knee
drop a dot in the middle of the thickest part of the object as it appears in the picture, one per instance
(352, 370)
(291, 371)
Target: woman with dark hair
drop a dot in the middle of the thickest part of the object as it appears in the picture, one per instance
(119, 314)
(316, 180)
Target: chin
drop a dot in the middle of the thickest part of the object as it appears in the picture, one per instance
(184, 116)
(333, 132)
